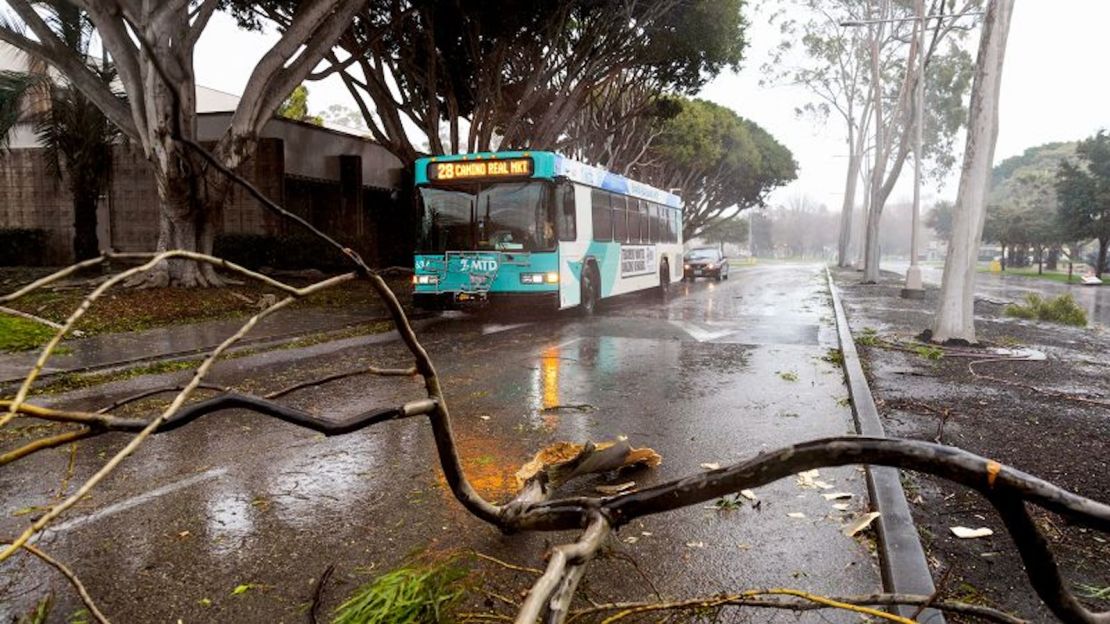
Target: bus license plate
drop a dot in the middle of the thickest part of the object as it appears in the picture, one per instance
(469, 297)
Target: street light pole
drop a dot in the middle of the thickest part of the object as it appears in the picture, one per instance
(913, 288)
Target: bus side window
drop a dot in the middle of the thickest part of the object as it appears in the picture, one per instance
(657, 233)
(602, 217)
(620, 218)
(565, 218)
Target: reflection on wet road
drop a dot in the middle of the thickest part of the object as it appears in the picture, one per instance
(718, 373)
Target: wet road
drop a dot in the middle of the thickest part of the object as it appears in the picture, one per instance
(1002, 287)
(714, 375)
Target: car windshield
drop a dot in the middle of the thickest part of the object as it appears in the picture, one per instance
(703, 254)
(506, 216)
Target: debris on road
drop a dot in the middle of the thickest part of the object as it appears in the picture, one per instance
(860, 524)
(616, 488)
(966, 533)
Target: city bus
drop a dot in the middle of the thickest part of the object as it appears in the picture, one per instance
(536, 227)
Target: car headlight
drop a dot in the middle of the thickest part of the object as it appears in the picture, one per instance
(425, 279)
(685, 266)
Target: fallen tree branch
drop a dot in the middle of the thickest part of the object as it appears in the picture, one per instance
(806, 602)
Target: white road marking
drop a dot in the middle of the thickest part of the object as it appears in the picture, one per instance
(494, 328)
(700, 333)
(135, 501)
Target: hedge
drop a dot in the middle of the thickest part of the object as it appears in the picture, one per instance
(22, 246)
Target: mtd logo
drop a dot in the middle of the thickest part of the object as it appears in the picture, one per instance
(482, 265)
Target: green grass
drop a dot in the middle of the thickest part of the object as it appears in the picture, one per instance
(418, 593)
(1063, 310)
(17, 334)
(1052, 276)
(929, 352)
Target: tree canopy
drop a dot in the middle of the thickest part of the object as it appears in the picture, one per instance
(721, 162)
(513, 78)
(1083, 189)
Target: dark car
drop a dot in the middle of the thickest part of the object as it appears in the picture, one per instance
(705, 262)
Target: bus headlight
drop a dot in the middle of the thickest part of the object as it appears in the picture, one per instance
(539, 278)
(425, 279)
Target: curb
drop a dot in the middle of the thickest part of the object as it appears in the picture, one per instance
(902, 562)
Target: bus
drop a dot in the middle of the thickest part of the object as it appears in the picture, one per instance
(538, 228)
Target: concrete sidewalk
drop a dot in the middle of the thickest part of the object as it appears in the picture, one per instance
(108, 350)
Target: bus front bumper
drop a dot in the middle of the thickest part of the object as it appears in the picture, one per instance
(463, 300)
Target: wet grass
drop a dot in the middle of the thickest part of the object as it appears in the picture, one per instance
(1063, 310)
(17, 334)
(128, 310)
(1060, 277)
(417, 593)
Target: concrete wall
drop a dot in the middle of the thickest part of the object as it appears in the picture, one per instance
(314, 151)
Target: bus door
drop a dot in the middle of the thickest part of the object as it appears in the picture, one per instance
(572, 244)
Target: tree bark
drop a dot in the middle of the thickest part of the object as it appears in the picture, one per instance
(1103, 244)
(85, 244)
(844, 243)
(955, 318)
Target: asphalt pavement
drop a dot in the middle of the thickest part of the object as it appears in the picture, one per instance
(713, 375)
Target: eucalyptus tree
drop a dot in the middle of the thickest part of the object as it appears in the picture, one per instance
(828, 46)
(955, 317)
(151, 45)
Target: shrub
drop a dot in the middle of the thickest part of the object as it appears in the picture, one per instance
(255, 251)
(22, 246)
(1062, 309)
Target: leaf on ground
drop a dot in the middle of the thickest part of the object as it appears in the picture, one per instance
(565, 460)
(695, 544)
(837, 496)
(711, 466)
(967, 533)
(796, 514)
(860, 523)
(841, 507)
(241, 589)
(748, 494)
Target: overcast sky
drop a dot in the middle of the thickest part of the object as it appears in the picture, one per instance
(1053, 89)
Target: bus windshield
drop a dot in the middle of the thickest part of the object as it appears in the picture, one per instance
(504, 216)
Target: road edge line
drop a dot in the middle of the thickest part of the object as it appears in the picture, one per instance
(902, 562)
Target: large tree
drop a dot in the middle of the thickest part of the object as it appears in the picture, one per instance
(955, 317)
(722, 164)
(827, 48)
(473, 75)
(151, 45)
(1083, 189)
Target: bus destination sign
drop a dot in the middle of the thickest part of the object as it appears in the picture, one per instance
(472, 169)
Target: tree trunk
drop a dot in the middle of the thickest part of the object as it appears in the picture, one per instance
(85, 244)
(955, 318)
(1053, 261)
(1002, 257)
(844, 243)
(1103, 243)
(874, 212)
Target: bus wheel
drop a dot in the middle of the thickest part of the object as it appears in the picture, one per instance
(664, 280)
(588, 305)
